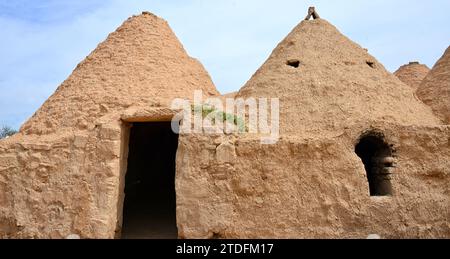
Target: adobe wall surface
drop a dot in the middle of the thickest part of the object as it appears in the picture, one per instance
(141, 63)
(72, 182)
(229, 186)
(336, 83)
(435, 88)
(233, 187)
(59, 185)
(412, 74)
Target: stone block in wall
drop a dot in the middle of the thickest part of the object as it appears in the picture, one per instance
(226, 153)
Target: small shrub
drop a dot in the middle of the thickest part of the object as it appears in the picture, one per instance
(206, 110)
(7, 131)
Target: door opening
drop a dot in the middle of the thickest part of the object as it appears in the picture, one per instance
(150, 201)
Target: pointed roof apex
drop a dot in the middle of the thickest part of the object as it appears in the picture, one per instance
(312, 13)
(147, 13)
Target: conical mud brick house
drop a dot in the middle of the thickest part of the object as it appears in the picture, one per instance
(435, 88)
(62, 174)
(358, 154)
(412, 74)
(142, 63)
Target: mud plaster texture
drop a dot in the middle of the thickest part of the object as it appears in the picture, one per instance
(312, 188)
(337, 84)
(64, 172)
(412, 74)
(435, 88)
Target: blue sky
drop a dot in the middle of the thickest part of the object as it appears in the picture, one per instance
(43, 41)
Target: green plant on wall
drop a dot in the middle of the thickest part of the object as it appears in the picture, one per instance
(207, 110)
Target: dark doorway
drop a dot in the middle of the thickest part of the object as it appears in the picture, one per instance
(376, 155)
(150, 200)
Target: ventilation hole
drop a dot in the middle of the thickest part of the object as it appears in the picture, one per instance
(371, 64)
(293, 63)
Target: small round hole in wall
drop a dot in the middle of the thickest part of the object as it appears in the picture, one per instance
(371, 64)
(293, 63)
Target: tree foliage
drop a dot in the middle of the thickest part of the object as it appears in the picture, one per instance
(6, 131)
